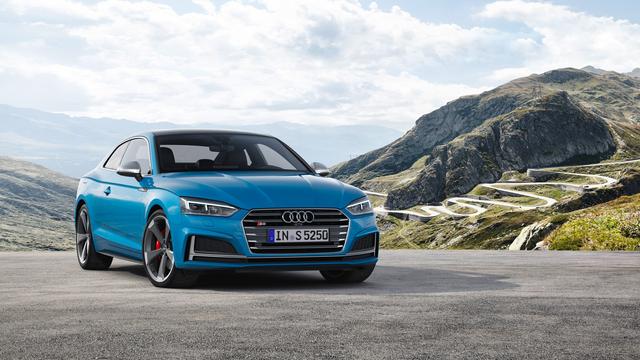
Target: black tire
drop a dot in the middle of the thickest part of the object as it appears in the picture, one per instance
(350, 276)
(176, 278)
(87, 256)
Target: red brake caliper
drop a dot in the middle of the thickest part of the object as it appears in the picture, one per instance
(164, 233)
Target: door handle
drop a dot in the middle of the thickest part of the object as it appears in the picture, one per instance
(107, 191)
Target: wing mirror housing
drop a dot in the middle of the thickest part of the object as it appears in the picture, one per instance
(131, 169)
(321, 169)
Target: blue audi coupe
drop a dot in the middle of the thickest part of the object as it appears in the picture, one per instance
(183, 201)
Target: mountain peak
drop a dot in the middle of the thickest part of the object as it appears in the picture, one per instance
(634, 73)
(564, 75)
(550, 130)
(594, 70)
(575, 108)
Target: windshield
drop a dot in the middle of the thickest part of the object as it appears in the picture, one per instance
(218, 152)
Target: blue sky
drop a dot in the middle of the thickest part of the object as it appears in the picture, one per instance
(321, 62)
(462, 11)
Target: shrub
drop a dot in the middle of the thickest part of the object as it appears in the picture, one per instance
(604, 232)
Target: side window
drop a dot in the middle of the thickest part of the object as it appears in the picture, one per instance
(138, 150)
(246, 154)
(116, 156)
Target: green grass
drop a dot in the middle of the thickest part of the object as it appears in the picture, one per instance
(611, 226)
(630, 136)
(377, 200)
(616, 171)
(515, 176)
(553, 192)
(495, 229)
(614, 225)
(387, 182)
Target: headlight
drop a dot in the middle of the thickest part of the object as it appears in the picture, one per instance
(206, 207)
(360, 207)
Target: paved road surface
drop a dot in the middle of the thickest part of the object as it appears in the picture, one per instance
(418, 304)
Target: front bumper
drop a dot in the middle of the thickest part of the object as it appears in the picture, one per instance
(186, 227)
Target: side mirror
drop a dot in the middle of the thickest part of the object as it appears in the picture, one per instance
(320, 169)
(131, 169)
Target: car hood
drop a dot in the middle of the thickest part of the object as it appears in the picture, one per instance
(252, 190)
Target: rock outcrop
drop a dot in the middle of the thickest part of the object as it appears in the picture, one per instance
(531, 235)
(548, 131)
(558, 117)
(436, 128)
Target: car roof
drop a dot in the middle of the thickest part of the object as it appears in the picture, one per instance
(202, 131)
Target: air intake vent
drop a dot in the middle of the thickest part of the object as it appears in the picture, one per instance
(210, 245)
(365, 243)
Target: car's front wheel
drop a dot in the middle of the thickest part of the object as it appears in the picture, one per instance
(157, 249)
(355, 275)
(88, 258)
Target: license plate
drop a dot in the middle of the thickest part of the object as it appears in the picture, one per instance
(297, 235)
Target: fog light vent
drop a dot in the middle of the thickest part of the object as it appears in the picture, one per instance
(365, 243)
(211, 245)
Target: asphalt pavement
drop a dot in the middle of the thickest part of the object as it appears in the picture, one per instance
(417, 305)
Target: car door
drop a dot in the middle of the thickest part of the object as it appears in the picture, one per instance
(128, 200)
(100, 200)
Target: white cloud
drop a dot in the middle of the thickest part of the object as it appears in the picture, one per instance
(62, 9)
(311, 62)
(500, 76)
(206, 5)
(570, 38)
(333, 62)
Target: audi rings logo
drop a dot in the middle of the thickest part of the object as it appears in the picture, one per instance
(297, 217)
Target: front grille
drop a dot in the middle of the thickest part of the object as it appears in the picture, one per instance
(257, 223)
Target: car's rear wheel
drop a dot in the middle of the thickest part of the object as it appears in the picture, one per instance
(157, 249)
(88, 258)
(355, 275)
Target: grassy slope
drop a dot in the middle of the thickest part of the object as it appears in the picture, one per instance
(36, 207)
(496, 228)
(614, 225)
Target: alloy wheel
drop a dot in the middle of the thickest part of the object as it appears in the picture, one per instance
(158, 249)
(83, 236)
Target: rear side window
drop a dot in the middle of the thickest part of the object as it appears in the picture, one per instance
(138, 150)
(116, 157)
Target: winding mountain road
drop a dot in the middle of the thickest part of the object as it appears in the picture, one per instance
(427, 212)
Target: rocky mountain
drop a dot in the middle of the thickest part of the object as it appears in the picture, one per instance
(36, 207)
(529, 136)
(561, 116)
(54, 140)
(594, 70)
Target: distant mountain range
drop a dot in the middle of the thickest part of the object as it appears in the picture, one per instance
(559, 117)
(36, 207)
(594, 70)
(74, 145)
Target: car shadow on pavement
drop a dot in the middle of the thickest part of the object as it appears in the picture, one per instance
(384, 280)
(134, 270)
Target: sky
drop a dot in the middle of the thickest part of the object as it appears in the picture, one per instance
(323, 62)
